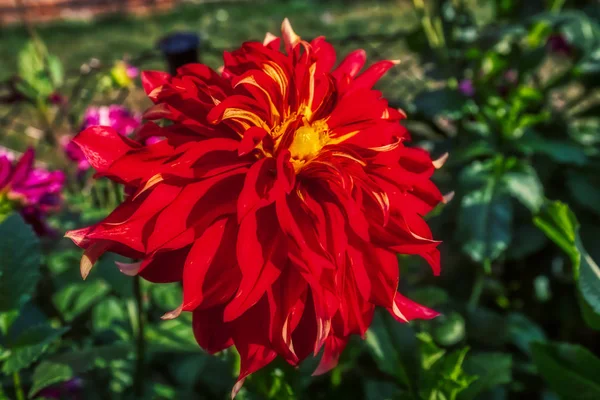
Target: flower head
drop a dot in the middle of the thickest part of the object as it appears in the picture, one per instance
(32, 191)
(558, 44)
(466, 87)
(280, 197)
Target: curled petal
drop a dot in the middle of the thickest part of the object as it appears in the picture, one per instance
(129, 269)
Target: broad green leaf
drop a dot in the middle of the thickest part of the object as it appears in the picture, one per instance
(448, 329)
(172, 335)
(380, 390)
(62, 367)
(487, 327)
(486, 210)
(19, 263)
(569, 370)
(49, 373)
(591, 318)
(108, 312)
(430, 296)
(523, 183)
(55, 69)
(561, 151)
(32, 69)
(589, 280)
(166, 296)
(76, 298)
(492, 369)
(392, 345)
(441, 102)
(527, 239)
(522, 332)
(585, 190)
(485, 223)
(29, 346)
(560, 224)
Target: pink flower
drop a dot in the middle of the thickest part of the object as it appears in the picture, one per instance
(32, 191)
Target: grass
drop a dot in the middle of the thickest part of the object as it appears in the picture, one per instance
(222, 25)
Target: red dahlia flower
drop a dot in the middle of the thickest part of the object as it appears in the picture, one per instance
(280, 197)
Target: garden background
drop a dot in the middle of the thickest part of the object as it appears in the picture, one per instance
(508, 88)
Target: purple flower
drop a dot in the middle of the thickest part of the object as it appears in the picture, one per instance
(466, 87)
(32, 191)
(558, 44)
(66, 390)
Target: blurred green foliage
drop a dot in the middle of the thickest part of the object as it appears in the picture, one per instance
(511, 93)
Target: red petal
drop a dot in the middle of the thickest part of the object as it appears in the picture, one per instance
(165, 266)
(367, 79)
(154, 79)
(102, 146)
(261, 254)
(405, 310)
(252, 342)
(351, 65)
(252, 137)
(333, 349)
(211, 275)
(210, 331)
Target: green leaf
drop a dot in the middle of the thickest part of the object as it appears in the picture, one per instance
(527, 240)
(20, 260)
(55, 69)
(49, 373)
(522, 332)
(584, 189)
(29, 346)
(108, 312)
(32, 69)
(560, 225)
(561, 151)
(62, 367)
(393, 347)
(166, 296)
(76, 298)
(172, 335)
(441, 102)
(448, 329)
(570, 370)
(487, 327)
(442, 375)
(589, 280)
(492, 369)
(523, 183)
(485, 223)
(380, 390)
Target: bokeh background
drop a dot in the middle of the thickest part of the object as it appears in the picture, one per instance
(508, 88)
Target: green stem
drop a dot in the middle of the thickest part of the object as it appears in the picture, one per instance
(477, 290)
(20, 395)
(138, 382)
(557, 5)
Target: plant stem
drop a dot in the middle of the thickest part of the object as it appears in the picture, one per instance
(138, 382)
(477, 288)
(20, 395)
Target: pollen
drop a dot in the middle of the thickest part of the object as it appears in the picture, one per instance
(308, 141)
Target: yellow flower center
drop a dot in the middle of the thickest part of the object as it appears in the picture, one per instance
(308, 141)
